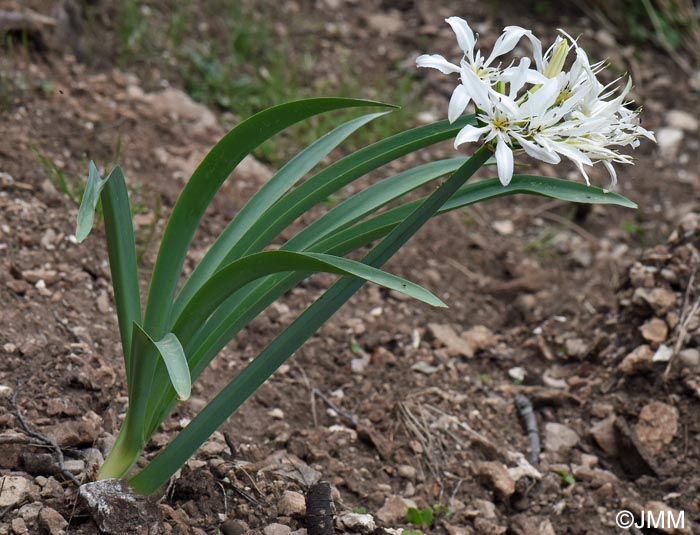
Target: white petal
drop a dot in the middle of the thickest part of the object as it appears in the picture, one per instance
(506, 42)
(477, 89)
(613, 173)
(504, 162)
(469, 134)
(465, 36)
(536, 151)
(436, 61)
(544, 97)
(458, 103)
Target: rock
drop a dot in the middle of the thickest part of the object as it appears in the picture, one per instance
(467, 344)
(662, 354)
(488, 527)
(394, 510)
(32, 276)
(5, 392)
(639, 360)
(359, 523)
(657, 426)
(689, 358)
(485, 508)
(234, 527)
(660, 300)
(447, 336)
(682, 120)
(51, 522)
(19, 286)
(632, 453)
(504, 227)
(118, 510)
(292, 504)
(496, 476)
(479, 338)
(655, 330)
(523, 524)
(386, 23)
(423, 367)
(290, 466)
(407, 471)
(604, 434)
(19, 526)
(102, 302)
(277, 529)
(669, 140)
(179, 106)
(576, 347)
(76, 432)
(558, 437)
(596, 476)
(670, 517)
(15, 489)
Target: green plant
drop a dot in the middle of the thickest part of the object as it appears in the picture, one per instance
(168, 344)
(422, 518)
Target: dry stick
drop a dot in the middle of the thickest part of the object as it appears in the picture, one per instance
(527, 414)
(341, 412)
(46, 440)
(684, 321)
(223, 491)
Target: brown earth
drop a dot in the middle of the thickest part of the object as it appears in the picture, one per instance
(577, 310)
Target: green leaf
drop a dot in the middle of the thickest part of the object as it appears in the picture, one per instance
(91, 196)
(175, 360)
(338, 175)
(120, 246)
(161, 468)
(249, 268)
(263, 199)
(369, 230)
(414, 517)
(420, 517)
(206, 181)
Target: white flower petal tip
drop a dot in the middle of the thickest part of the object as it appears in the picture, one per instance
(436, 61)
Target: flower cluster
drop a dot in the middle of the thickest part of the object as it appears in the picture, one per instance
(542, 109)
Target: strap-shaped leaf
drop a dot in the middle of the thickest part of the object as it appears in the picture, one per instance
(234, 276)
(206, 181)
(175, 360)
(335, 176)
(160, 469)
(91, 196)
(119, 231)
(263, 199)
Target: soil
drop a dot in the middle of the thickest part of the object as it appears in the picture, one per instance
(392, 402)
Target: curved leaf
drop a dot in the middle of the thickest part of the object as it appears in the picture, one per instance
(283, 346)
(263, 199)
(175, 360)
(88, 205)
(206, 181)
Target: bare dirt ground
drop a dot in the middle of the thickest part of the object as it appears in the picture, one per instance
(592, 315)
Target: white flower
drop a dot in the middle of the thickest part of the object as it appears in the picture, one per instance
(472, 60)
(547, 112)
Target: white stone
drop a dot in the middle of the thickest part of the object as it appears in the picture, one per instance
(558, 437)
(669, 140)
(359, 523)
(683, 120)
